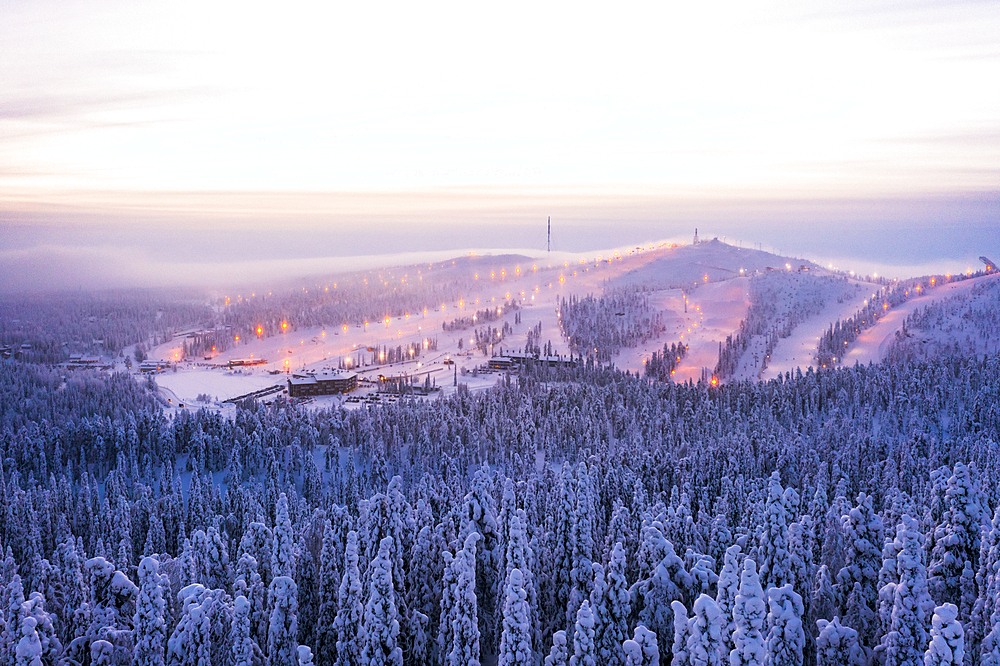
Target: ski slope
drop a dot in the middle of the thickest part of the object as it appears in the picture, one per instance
(873, 343)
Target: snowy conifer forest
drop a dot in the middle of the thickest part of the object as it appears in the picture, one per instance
(573, 515)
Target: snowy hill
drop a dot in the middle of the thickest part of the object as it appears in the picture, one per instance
(690, 264)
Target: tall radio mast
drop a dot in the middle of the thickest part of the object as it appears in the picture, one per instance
(548, 245)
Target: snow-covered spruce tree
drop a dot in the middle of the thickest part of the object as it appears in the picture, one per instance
(727, 589)
(679, 647)
(215, 558)
(445, 636)
(284, 541)
(652, 597)
(584, 648)
(904, 643)
(191, 643)
(705, 633)
(837, 645)
(507, 510)
(989, 651)
(465, 646)
(704, 580)
(109, 611)
(249, 584)
(102, 653)
(824, 599)
(29, 649)
(149, 622)
(246, 652)
(308, 592)
(11, 615)
(479, 516)
(581, 574)
(800, 560)
(561, 561)
(425, 574)
(69, 604)
(559, 653)
(518, 554)
(785, 635)
(749, 613)
(652, 549)
(598, 594)
(418, 640)
(329, 580)
(986, 582)
(888, 577)
(857, 581)
(381, 617)
(348, 625)
(48, 638)
(642, 650)
(258, 541)
(772, 550)
(189, 564)
(956, 537)
(947, 646)
(720, 537)
(612, 609)
(967, 597)
(515, 637)
(283, 629)
(305, 656)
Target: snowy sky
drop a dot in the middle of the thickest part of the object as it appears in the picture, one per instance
(456, 119)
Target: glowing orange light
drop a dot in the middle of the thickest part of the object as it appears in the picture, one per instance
(284, 325)
(259, 330)
(237, 338)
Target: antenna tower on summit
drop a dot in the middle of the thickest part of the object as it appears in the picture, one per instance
(548, 243)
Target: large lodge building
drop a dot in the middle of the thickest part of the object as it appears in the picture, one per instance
(326, 383)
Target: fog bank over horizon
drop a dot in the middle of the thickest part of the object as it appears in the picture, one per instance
(226, 239)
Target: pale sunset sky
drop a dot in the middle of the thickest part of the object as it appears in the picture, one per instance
(199, 132)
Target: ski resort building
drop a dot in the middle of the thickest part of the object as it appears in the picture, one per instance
(242, 362)
(514, 360)
(81, 361)
(327, 383)
(152, 367)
